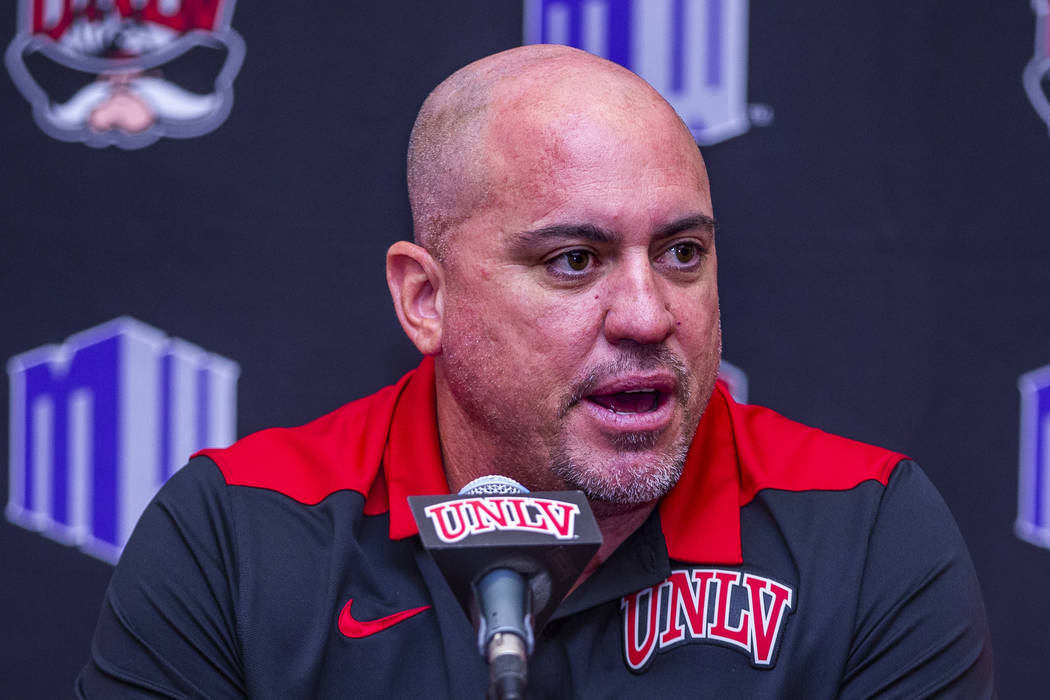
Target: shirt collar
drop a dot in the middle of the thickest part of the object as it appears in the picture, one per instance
(412, 464)
(700, 517)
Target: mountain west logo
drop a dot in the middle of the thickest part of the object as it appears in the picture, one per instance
(100, 422)
(454, 520)
(733, 608)
(102, 71)
(1037, 72)
(694, 52)
(1033, 503)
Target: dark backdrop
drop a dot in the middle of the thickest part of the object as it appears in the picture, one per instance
(885, 263)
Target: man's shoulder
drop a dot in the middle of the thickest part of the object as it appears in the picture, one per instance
(741, 451)
(340, 450)
(774, 452)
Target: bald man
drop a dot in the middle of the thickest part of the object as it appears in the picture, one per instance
(562, 288)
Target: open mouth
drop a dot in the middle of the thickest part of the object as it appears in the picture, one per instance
(629, 402)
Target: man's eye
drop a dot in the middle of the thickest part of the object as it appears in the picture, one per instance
(578, 259)
(572, 261)
(685, 253)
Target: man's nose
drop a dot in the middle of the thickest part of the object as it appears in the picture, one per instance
(638, 308)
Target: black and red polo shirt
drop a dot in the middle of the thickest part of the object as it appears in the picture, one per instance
(786, 563)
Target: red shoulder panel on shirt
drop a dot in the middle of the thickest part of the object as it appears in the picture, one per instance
(384, 446)
(777, 453)
(341, 450)
(740, 450)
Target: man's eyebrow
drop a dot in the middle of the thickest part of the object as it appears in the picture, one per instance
(596, 234)
(697, 221)
(587, 232)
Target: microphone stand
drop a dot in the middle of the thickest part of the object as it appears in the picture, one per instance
(505, 632)
(509, 556)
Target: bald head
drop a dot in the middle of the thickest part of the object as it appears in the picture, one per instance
(454, 149)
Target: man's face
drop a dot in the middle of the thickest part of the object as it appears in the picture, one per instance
(581, 332)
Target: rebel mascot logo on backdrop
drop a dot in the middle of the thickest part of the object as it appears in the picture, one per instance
(116, 52)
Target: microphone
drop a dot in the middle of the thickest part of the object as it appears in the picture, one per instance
(502, 619)
(509, 556)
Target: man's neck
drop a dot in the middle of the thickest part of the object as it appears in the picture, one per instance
(616, 523)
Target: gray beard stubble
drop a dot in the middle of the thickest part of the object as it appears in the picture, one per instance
(633, 486)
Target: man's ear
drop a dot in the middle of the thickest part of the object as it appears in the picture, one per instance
(416, 283)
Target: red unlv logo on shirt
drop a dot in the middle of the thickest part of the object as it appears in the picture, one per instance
(738, 609)
(454, 520)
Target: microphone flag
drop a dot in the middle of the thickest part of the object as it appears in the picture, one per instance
(546, 536)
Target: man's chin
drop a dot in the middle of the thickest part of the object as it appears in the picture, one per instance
(642, 441)
(632, 475)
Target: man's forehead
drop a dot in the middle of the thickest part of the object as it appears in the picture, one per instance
(549, 122)
(561, 173)
(573, 98)
(549, 130)
(562, 166)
